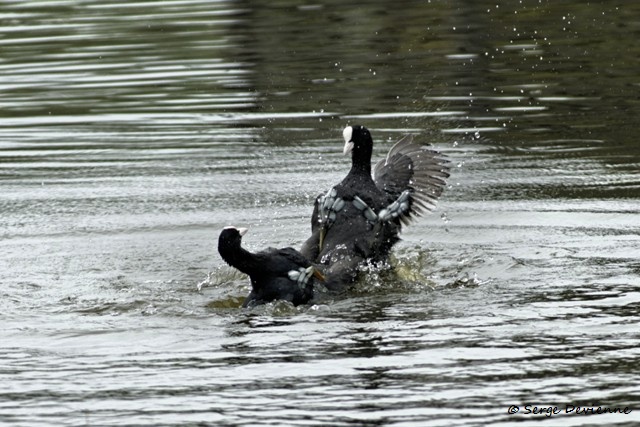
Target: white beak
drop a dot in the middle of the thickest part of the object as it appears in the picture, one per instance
(242, 231)
(347, 134)
(348, 147)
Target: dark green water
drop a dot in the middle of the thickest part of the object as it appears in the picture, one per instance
(132, 132)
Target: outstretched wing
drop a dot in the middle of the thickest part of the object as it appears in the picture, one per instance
(416, 168)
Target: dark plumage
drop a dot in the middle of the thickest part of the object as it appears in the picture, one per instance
(276, 274)
(360, 218)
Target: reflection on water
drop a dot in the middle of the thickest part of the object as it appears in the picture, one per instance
(131, 133)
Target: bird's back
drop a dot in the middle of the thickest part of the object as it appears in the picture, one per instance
(272, 281)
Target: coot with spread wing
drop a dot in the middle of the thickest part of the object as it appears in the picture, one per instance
(359, 219)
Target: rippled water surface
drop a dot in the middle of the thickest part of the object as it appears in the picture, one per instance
(132, 132)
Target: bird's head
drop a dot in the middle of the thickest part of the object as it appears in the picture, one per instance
(231, 237)
(357, 139)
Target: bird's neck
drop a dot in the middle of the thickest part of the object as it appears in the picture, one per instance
(361, 164)
(240, 258)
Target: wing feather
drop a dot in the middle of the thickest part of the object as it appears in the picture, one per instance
(410, 166)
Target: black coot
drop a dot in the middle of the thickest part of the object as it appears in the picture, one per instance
(276, 274)
(359, 219)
